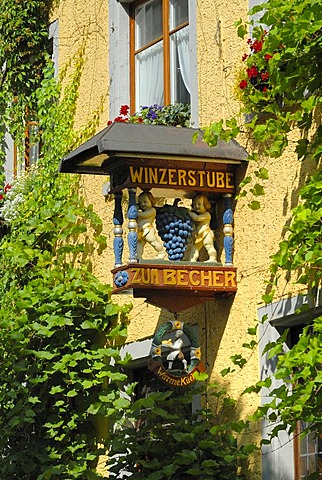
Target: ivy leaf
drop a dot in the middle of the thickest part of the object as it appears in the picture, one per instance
(255, 205)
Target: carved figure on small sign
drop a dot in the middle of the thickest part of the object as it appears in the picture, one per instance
(176, 347)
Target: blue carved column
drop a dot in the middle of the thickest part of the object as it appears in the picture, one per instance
(118, 243)
(228, 218)
(132, 236)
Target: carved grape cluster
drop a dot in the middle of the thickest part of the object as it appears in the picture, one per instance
(175, 228)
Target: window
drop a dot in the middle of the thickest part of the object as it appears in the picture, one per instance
(32, 145)
(308, 454)
(17, 162)
(159, 51)
(308, 448)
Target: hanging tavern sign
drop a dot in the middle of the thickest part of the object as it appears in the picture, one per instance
(179, 367)
(191, 243)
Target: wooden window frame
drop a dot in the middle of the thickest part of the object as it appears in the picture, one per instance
(166, 34)
(298, 456)
(29, 125)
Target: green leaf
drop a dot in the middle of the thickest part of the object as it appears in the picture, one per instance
(72, 393)
(255, 205)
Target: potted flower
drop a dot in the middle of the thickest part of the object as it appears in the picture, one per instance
(175, 115)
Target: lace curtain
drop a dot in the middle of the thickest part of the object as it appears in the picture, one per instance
(149, 76)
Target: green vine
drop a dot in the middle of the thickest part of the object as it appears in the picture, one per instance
(159, 438)
(59, 327)
(24, 52)
(286, 113)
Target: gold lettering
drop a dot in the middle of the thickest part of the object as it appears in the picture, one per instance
(230, 279)
(192, 180)
(229, 180)
(220, 179)
(171, 173)
(194, 282)
(155, 277)
(163, 172)
(169, 277)
(146, 277)
(180, 277)
(183, 381)
(169, 379)
(153, 175)
(136, 175)
(218, 278)
(182, 177)
(146, 175)
(136, 278)
(201, 174)
(211, 179)
(206, 276)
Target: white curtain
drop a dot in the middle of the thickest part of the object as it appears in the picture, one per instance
(149, 76)
(182, 41)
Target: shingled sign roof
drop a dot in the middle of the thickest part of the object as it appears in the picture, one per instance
(121, 140)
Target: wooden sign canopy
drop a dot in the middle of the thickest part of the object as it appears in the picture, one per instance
(164, 161)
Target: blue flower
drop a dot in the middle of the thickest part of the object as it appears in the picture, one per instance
(121, 278)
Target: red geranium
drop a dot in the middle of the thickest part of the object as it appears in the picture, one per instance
(124, 110)
(264, 76)
(243, 84)
(252, 72)
(257, 46)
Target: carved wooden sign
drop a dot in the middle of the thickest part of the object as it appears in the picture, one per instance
(189, 277)
(186, 256)
(193, 245)
(201, 177)
(179, 370)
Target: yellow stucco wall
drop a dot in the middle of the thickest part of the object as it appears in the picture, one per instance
(222, 323)
(85, 24)
(219, 53)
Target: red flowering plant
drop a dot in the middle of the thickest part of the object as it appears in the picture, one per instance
(3, 195)
(177, 114)
(254, 80)
(4, 191)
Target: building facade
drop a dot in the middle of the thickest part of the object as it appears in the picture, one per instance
(160, 52)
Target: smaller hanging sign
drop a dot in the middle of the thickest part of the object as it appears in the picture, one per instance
(179, 372)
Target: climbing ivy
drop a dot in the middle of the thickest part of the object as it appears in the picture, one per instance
(24, 51)
(160, 438)
(23, 45)
(60, 378)
(280, 87)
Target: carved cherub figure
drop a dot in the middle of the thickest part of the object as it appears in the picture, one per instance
(146, 229)
(204, 236)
